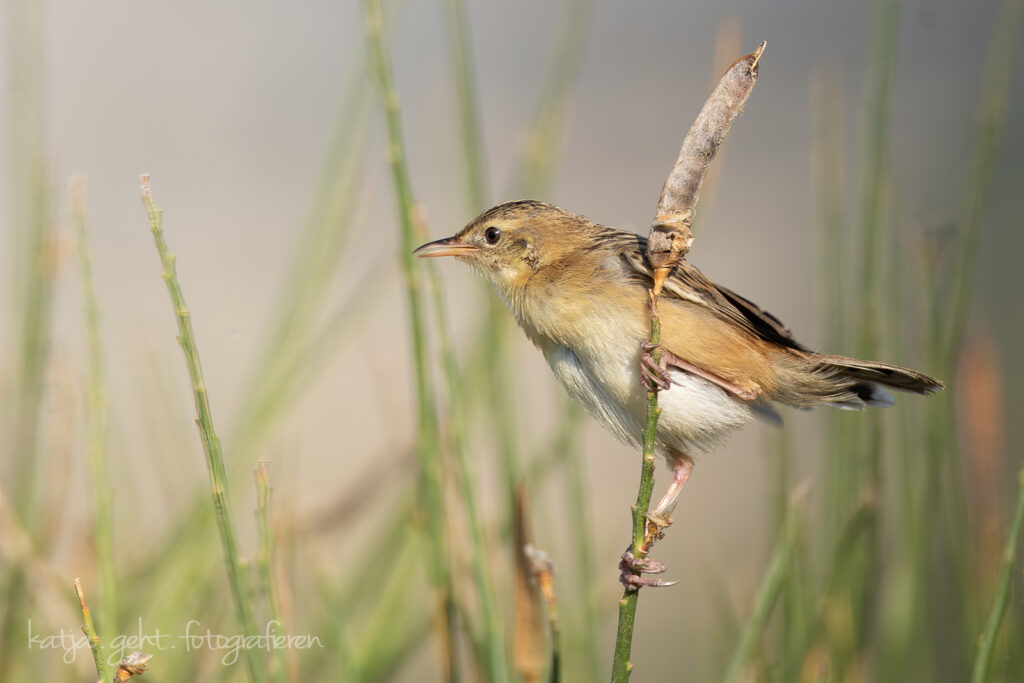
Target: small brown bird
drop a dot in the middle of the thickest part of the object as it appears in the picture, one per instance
(579, 291)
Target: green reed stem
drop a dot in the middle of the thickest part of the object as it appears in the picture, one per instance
(477, 184)
(535, 177)
(621, 666)
(581, 531)
(470, 120)
(767, 594)
(315, 261)
(986, 644)
(990, 129)
(950, 311)
(428, 437)
(268, 575)
(495, 659)
(90, 632)
(211, 443)
(99, 470)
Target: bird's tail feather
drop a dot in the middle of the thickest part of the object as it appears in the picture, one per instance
(873, 372)
(846, 383)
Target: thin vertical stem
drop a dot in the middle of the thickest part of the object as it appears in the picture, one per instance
(103, 522)
(211, 443)
(986, 644)
(621, 664)
(90, 632)
(470, 120)
(477, 184)
(767, 594)
(268, 575)
(428, 437)
(495, 659)
(579, 519)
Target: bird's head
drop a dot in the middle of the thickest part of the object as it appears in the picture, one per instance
(511, 242)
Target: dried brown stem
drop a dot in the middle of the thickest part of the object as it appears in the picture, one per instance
(671, 234)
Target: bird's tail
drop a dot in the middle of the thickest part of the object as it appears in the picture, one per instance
(867, 379)
(851, 383)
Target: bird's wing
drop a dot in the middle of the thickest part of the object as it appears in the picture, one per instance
(686, 283)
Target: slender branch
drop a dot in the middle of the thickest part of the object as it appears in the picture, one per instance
(103, 523)
(669, 241)
(211, 443)
(429, 439)
(986, 644)
(90, 632)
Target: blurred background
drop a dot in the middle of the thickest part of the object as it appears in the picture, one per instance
(867, 197)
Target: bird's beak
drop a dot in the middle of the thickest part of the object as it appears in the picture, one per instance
(450, 246)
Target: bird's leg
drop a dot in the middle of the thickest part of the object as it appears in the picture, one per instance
(657, 374)
(657, 520)
(653, 373)
(682, 467)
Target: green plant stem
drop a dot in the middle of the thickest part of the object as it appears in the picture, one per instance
(581, 531)
(986, 643)
(499, 384)
(477, 184)
(103, 522)
(621, 666)
(211, 443)
(949, 318)
(988, 146)
(495, 659)
(470, 120)
(320, 248)
(276, 627)
(428, 437)
(767, 595)
(536, 175)
(90, 632)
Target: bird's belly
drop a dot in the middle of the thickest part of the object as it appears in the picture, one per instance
(695, 412)
(605, 406)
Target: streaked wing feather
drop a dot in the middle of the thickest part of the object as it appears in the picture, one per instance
(686, 283)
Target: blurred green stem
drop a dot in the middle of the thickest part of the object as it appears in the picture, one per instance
(211, 443)
(581, 531)
(768, 593)
(429, 439)
(102, 492)
(470, 120)
(268, 575)
(986, 643)
(495, 659)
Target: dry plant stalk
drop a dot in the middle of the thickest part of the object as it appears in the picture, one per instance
(528, 652)
(535, 585)
(671, 236)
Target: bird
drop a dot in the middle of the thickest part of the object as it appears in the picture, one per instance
(579, 290)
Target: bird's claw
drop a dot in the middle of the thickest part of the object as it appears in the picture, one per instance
(631, 565)
(653, 373)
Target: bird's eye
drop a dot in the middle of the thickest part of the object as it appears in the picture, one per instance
(492, 235)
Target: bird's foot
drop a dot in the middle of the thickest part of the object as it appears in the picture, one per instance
(653, 374)
(631, 567)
